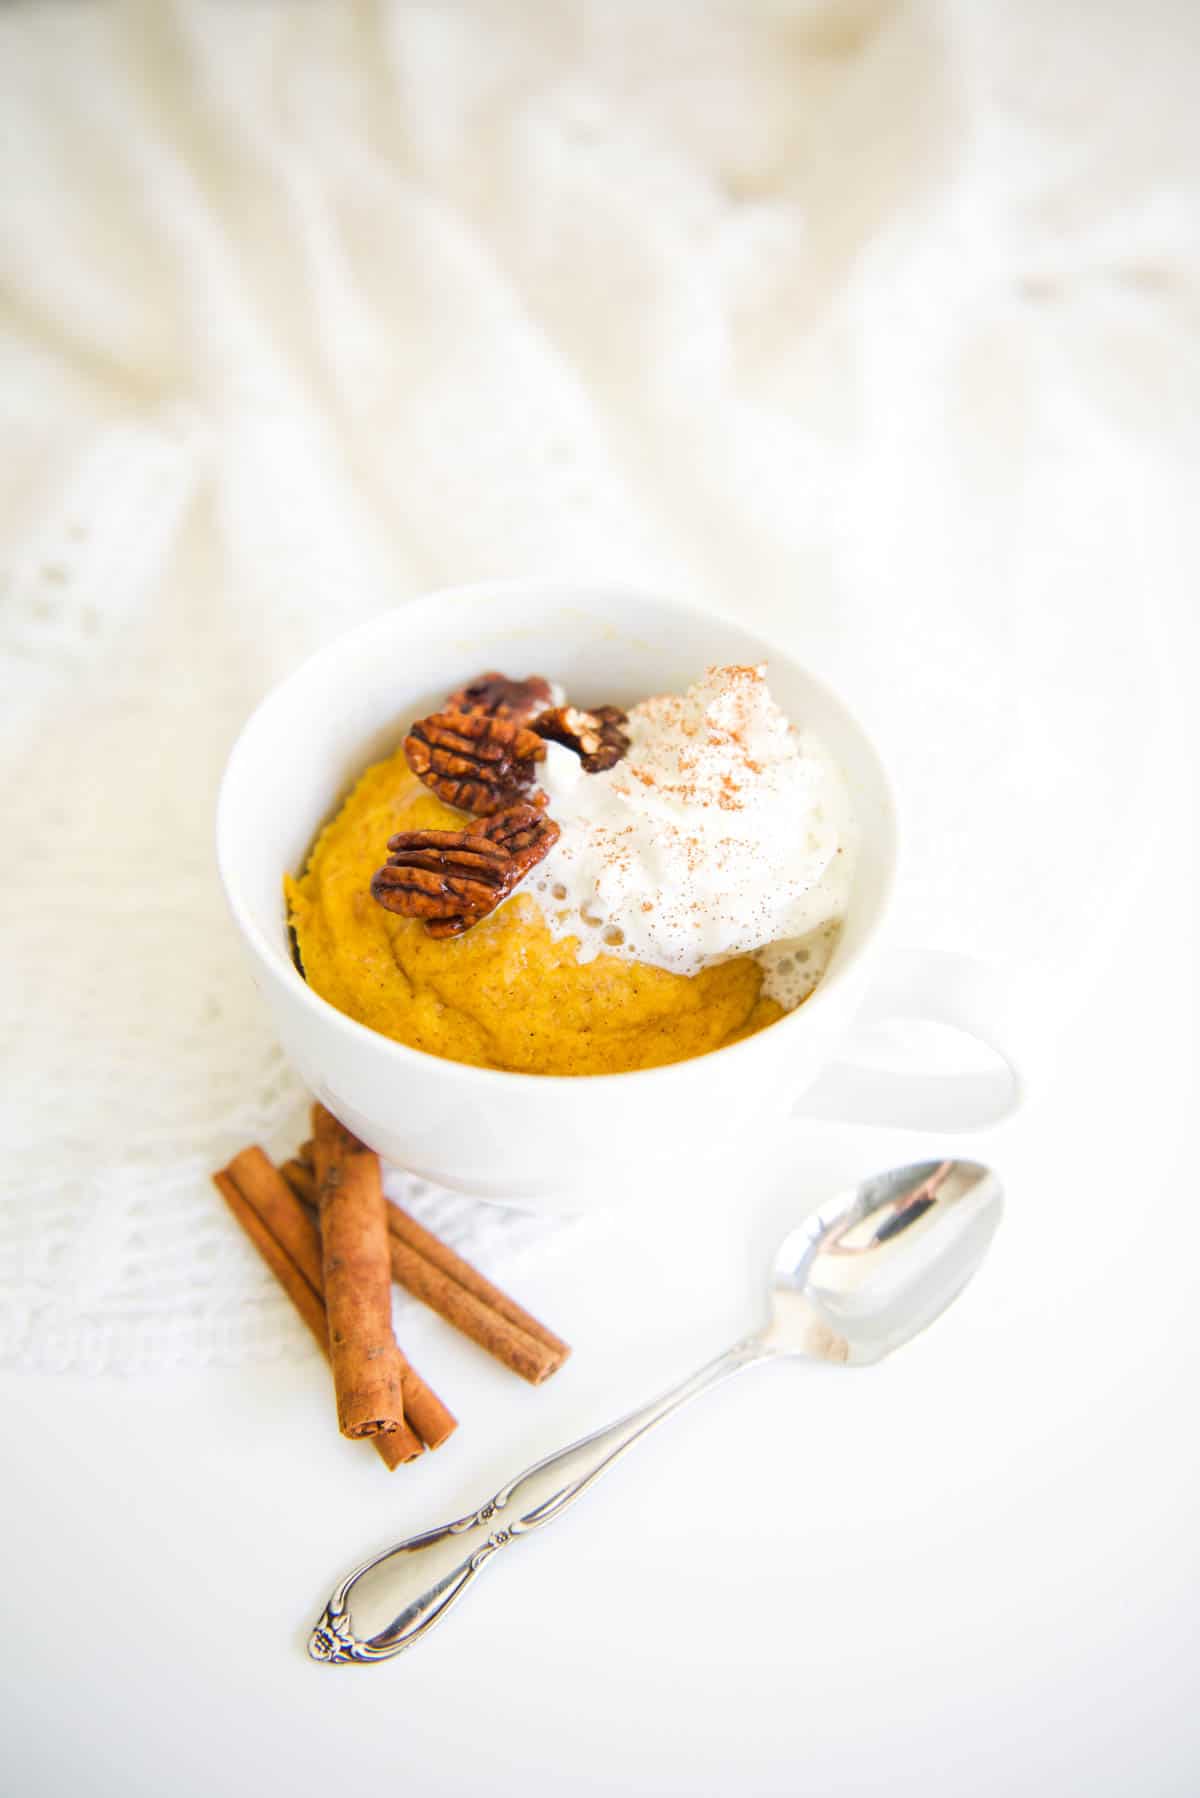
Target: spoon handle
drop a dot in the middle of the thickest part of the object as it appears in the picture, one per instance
(416, 1582)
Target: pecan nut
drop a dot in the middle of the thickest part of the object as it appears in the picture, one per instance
(497, 696)
(525, 832)
(441, 875)
(598, 737)
(453, 878)
(474, 761)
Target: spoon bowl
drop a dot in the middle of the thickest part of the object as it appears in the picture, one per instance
(881, 1262)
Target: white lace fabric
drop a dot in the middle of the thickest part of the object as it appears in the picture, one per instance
(867, 322)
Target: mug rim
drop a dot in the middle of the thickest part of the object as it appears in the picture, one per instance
(403, 1054)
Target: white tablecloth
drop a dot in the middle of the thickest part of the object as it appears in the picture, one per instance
(874, 323)
(869, 323)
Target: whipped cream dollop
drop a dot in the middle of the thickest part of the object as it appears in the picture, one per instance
(725, 830)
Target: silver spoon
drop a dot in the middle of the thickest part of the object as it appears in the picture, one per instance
(859, 1278)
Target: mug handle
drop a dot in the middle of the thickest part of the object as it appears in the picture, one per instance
(942, 987)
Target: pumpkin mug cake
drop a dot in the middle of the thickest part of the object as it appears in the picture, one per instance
(528, 885)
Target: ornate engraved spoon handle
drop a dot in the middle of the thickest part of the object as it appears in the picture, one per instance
(415, 1583)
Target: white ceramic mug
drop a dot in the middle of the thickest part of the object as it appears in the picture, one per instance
(557, 1142)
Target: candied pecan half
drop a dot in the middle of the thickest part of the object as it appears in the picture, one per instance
(496, 696)
(453, 878)
(598, 736)
(524, 831)
(479, 763)
(442, 875)
(526, 834)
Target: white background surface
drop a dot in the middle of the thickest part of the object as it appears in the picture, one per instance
(913, 285)
(970, 1569)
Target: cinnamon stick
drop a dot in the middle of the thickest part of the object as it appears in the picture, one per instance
(262, 1186)
(277, 1207)
(358, 1283)
(396, 1446)
(308, 1303)
(526, 1345)
(435, 1288)
(433, 1273)
(330, 1140)
(424, 1410)
(301, 1179)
